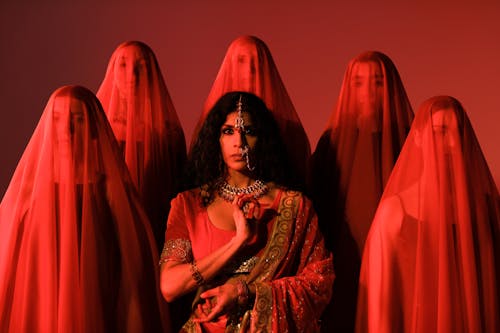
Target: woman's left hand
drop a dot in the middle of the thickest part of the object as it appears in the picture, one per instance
(222, 298)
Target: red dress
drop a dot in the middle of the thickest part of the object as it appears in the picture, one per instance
(249, 66)
(76, 249)
(292, 271)
(350, 167)
(432, 257)
(145, 123)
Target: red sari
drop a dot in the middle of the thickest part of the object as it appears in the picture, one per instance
(432, 257)
(293, 272)
(249, 66)
(145, 123)
(350, 167)
(76, 251)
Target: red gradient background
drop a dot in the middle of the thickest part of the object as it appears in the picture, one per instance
(439, 47)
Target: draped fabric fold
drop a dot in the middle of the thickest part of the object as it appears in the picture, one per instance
(76, 253)
(432, 257)
(350, 167)
(143, 118)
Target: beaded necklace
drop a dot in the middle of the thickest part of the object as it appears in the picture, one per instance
(229, 192)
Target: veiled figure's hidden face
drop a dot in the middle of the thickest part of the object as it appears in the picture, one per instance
(439, 141)
(367, 86)
(69, 124)
(130, 68)
(445, 130)
(244, 66)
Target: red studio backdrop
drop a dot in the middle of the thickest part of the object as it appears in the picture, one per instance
(439, 48)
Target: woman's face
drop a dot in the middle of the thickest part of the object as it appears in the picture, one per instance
(130, 68)
(367, 84)
(233, 140)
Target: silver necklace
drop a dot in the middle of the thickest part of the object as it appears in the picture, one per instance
(229, 192)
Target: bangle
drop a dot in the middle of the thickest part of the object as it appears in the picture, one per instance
(197, 277)
(242, 288)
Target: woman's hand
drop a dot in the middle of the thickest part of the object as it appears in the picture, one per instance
(217, 302)
(246, 211)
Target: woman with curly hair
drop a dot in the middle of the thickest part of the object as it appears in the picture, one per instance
(242, 236)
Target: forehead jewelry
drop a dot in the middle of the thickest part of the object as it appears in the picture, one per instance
(239, 122)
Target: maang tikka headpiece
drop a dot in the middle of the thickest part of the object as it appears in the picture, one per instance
(239, 124)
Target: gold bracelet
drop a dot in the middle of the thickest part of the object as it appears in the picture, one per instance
(197, 277)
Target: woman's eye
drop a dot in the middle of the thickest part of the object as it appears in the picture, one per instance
(250, 131)
(227, 131)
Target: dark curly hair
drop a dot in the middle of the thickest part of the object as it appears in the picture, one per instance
(205, 164)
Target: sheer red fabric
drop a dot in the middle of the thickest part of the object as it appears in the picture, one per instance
(142, 115)
(350, 167)
(249, 66)
(432, 257)
(76, 253)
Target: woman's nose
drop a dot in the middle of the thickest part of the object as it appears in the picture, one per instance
(367, 92)
(450, 140)
(133, 76)
(239, 139)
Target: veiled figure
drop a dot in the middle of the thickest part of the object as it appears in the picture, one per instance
(249, 66)
(432, 257)
(145, 123)
(76, 253)
(350, 167)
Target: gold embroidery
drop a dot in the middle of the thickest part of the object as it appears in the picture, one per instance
(271, 258)
(177, 250)
(238, 267)
(263, 308)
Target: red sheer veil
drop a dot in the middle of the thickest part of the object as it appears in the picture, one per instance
(76, 252)
(351, 164)
(145, 123)
(432, 257)
(361, 143)
(249, 66)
